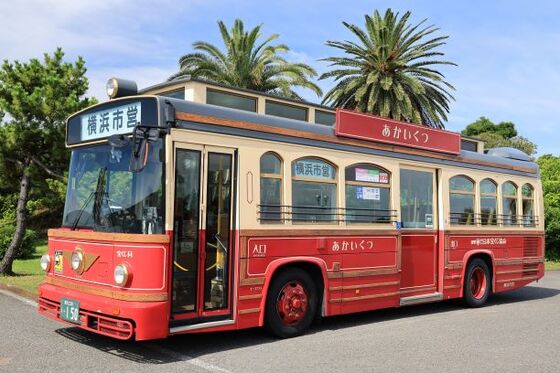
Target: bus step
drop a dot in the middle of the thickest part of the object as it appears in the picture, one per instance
(424, 298)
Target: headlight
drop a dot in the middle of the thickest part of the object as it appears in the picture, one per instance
(78, 262)
(121, 275)
(45, 262)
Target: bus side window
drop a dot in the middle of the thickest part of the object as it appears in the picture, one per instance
(509, 203)
(527, 196)
(271, 188)
(461, 200)
(488, 202)
(313, 191)
(368, 194)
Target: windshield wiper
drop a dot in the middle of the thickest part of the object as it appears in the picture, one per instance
(100, 177)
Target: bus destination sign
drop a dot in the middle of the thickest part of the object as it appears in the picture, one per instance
(111, 121)
(373, 128)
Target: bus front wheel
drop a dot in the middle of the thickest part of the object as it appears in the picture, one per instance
(477, 286)
(291, 303)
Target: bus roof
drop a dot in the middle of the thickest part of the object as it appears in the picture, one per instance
(212, 118)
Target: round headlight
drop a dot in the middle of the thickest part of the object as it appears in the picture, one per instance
(45, 262)
(78, 262)
(121, 275)
(112, 87)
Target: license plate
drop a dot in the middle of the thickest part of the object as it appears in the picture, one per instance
(70, 310)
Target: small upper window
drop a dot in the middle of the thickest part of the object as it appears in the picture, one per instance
(488, 202)
(527, 194)
(324, 117)
(368, 194)
(271, 188)
(509, 203)
(461, 200)
(286, 111)
(234, 101)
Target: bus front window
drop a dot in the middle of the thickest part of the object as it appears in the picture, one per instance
(105, 196)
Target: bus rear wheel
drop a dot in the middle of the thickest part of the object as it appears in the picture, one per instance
(291, 303)
(477, 286)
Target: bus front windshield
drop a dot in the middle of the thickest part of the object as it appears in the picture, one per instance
(105, 196)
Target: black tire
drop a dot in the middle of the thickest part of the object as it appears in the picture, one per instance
(297, 279)
(475, 295)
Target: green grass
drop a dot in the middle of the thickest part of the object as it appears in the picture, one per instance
(552, 265)
(28, 272)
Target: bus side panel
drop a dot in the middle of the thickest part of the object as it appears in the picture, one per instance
(518, 259)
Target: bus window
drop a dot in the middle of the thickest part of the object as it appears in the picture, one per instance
(461, 200)
(509, 203)
(488, 202)
(271, 188)
(417, 195)
(313, 191)
(367, 194)
(528, 206)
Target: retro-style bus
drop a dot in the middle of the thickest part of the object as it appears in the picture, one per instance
(185, 217)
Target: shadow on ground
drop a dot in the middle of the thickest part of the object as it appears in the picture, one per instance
(185, 347)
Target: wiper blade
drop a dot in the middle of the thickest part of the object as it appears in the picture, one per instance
(90, 197)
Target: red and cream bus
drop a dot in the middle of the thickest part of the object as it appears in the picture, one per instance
(186, 217)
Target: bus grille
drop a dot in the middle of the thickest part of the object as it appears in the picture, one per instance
(94, 322)
(530, 246)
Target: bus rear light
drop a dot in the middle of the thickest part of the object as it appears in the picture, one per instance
(45, 262)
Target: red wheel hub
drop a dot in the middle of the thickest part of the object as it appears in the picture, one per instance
(292, 303)
(478, 283)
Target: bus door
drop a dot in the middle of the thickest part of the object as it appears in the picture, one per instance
(419, 233)
(203, 239)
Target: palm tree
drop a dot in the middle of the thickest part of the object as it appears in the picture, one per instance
(389, 71)
(247, 63)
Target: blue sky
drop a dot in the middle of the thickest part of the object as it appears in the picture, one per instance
(508, 52)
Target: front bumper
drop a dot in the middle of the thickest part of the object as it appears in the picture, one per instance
(111, 317)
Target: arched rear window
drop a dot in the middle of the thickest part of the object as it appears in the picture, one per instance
(527, 195)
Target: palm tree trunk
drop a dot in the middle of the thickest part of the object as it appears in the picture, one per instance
(21, 223)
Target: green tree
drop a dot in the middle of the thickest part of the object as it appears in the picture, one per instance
(38, 96)
(550, 177)
(390, 70)
(248, 63)
(498, 135)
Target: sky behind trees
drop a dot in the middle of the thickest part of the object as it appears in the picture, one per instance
(508, 52)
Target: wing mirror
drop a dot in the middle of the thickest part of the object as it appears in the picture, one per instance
(142, 137)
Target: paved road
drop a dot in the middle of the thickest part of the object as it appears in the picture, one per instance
(517, 331)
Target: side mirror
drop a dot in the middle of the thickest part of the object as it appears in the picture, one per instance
(142, 137)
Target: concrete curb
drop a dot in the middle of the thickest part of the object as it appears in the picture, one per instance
(18, 291)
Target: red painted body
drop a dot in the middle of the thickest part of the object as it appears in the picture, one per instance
(359, 273)
(373, 128)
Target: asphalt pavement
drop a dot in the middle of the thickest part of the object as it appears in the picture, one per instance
(518, 331)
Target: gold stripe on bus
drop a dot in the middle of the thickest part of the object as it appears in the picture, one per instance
(362, 273)
(110, 237)
(118, 295)
(364, 286)
(364, 297)
(249, 310)
(530, 278)
(249, 297)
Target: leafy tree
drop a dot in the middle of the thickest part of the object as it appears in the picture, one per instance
(248, 63)
(38, 96)
(502, 134)
(550, 176)
(390, 70)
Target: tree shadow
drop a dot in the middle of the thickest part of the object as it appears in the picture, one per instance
(187, 346)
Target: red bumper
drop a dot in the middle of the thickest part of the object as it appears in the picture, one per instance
(114, 318)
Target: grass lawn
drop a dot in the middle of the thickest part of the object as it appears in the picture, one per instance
(552, 265)
(28, 272)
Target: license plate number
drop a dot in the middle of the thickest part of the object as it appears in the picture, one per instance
(70, 310)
